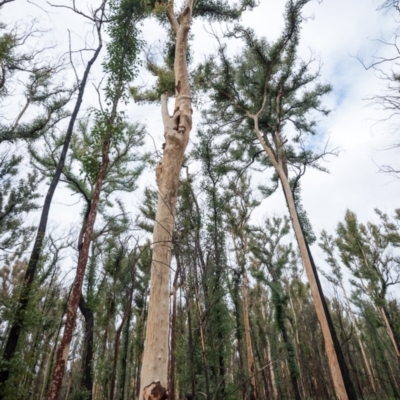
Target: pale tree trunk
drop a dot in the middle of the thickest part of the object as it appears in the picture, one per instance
(247, 333)
(296, 340)
(342, 390)
(268, 359)
(389, 330)
(358, 334)
(154, 374)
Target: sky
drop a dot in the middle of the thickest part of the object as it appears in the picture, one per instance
(336, 32)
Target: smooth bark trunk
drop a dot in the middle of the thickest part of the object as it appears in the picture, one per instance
(173, 339)
(390, 331)
(116, 344)
(87, 367)
(124, 361)
(343, 387)
(154, 374)
(249, 348)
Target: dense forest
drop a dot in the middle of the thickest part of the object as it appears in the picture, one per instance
(169, 275)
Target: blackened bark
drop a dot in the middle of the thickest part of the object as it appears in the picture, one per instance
(87, 378)
(348, 384)
(76, 292)
(351, 393)
(15, 331)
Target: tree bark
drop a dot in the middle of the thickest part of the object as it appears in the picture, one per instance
(341, 382)
(358, 334)
(154, 374)
(249, 348)
(171, 395)
(390, 331)
(15, 331)
(76, 292)
(124, 360)
(116, 343)
(87, 367)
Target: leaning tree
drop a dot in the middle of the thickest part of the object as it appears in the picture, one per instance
(268, 97)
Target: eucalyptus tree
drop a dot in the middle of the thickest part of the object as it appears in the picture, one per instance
(43, 313)
(106, 151)
(369, 253)
(43, 91)
(173, 79)
(24, 75)
(268, 95)
(272, 258)
(238, 213)
(336, 278)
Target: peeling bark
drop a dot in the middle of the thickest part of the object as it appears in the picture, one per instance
(76, 292)
(176, 131)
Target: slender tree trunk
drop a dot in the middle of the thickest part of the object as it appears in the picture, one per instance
(84, 246)
(292, 369)
(189, 307)
(358, 334)
(87, 367)
(116, 344)
(23, 301)
(203, 344)
(154, 375)
(271, 371)
(124, 360)
(239, 332)
(296, 341)
(390, 331)
(171, 395)
(247, 333)
(343, 387)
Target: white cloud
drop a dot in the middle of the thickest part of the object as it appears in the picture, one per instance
(339, 30)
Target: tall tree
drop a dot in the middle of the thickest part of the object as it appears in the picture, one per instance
(275, 257)
(177, 128)
(111, 141)
(42, 90)
(261, 91)
(367, 252)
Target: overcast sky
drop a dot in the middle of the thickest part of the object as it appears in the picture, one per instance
(336, 32)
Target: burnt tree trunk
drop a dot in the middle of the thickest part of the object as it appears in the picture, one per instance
(18, 321)
(76, 292)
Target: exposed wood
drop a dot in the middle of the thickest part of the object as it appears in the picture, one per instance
(154, 374)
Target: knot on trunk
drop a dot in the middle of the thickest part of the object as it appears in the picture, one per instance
(155, 391)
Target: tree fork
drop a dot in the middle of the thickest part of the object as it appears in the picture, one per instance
(154, 374)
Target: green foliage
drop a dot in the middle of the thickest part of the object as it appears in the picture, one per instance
(211, 10)
(270, 81)
(366, 250)
(122, 61)
(17, 198)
